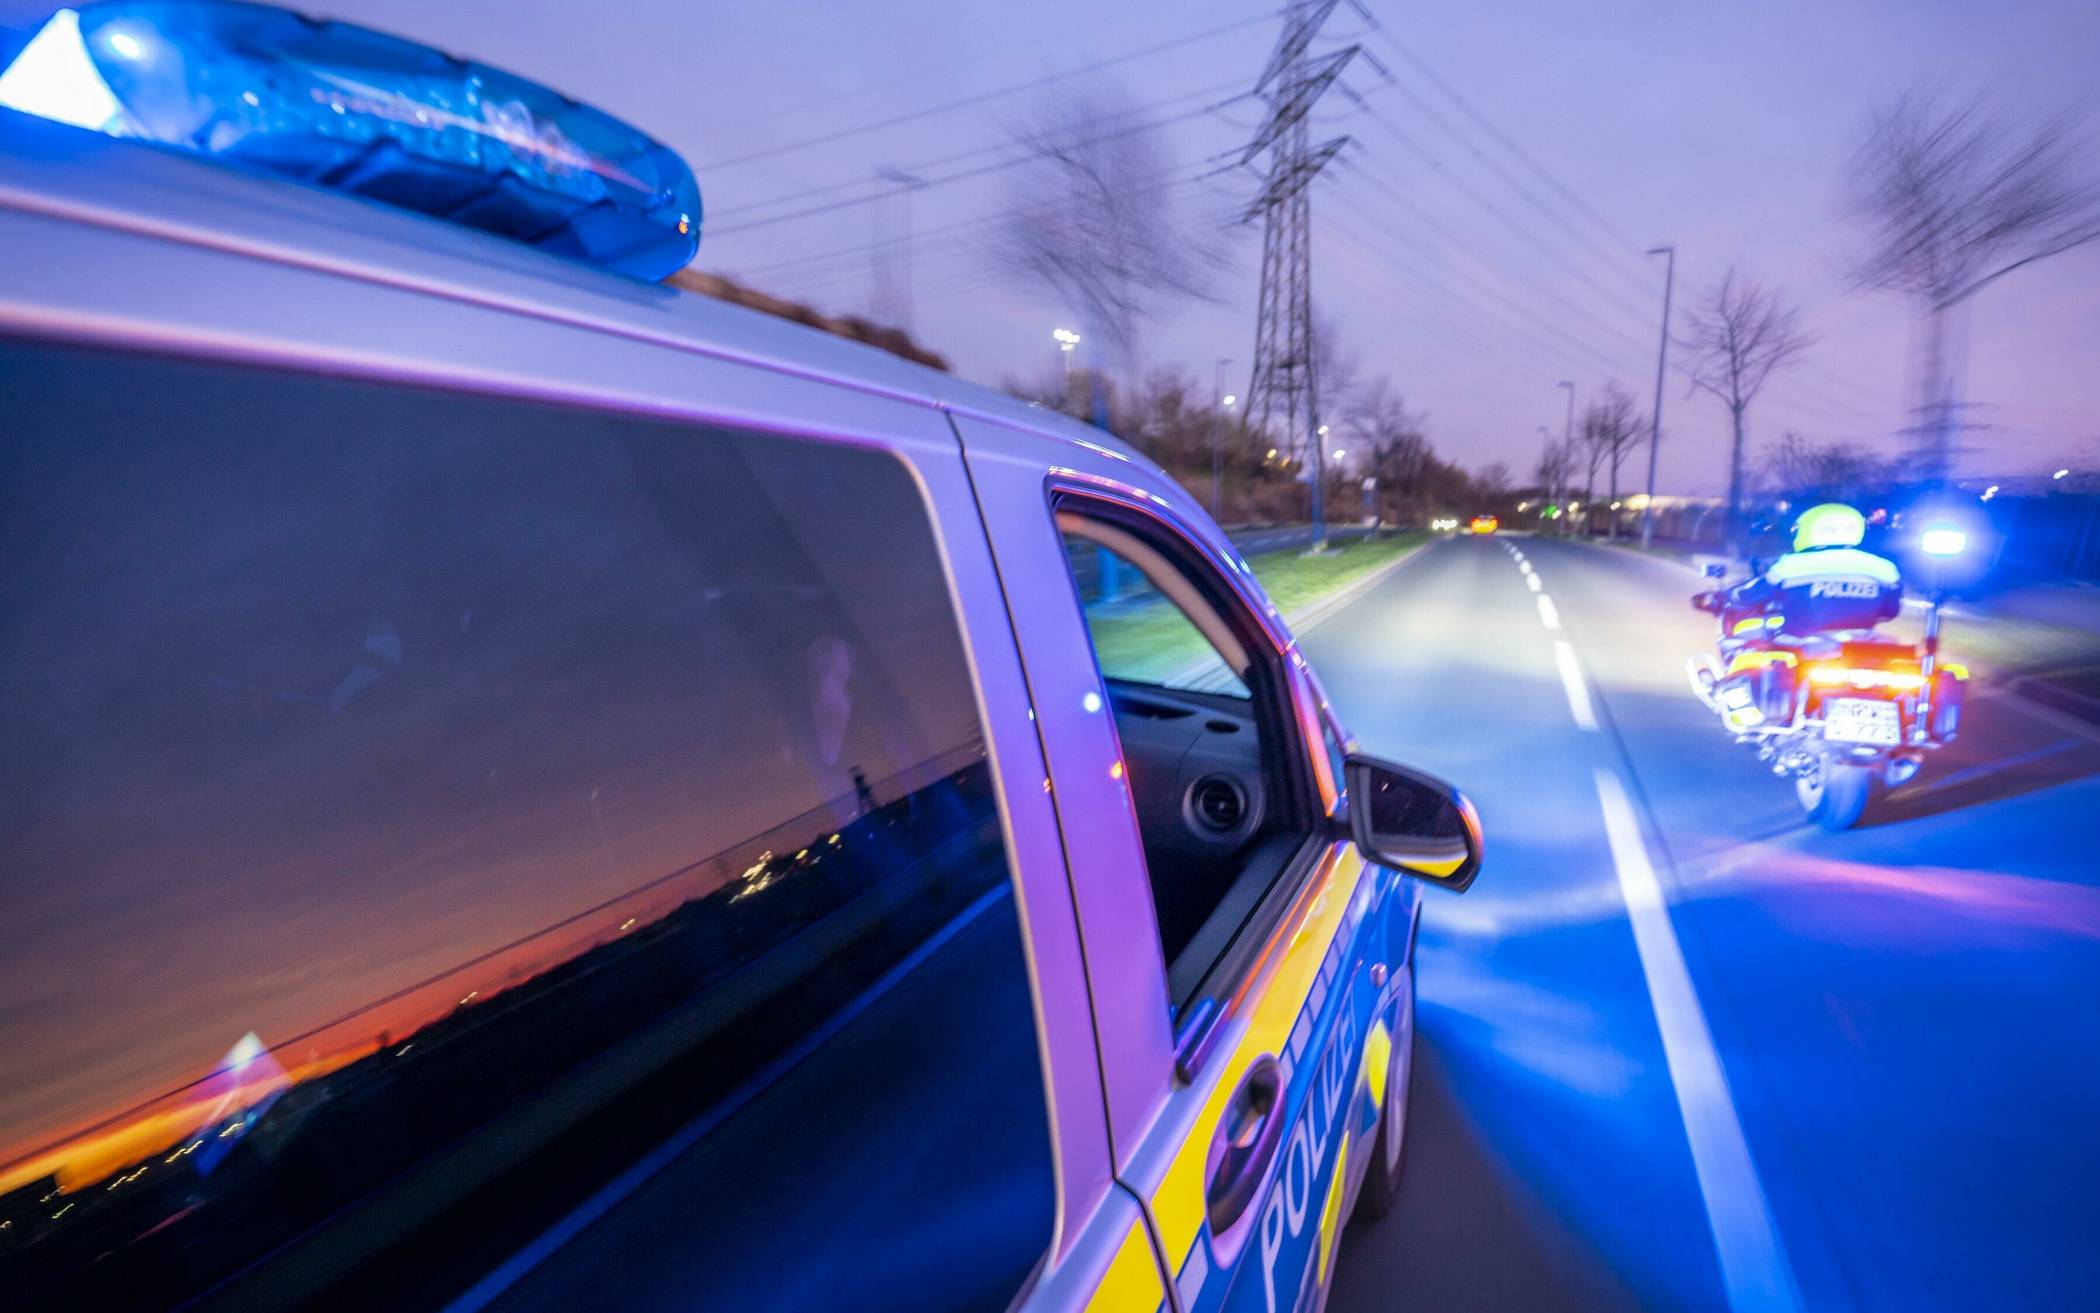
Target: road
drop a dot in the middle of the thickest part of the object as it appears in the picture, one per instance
(1853, 1071)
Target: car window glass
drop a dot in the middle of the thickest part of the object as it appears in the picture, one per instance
(420, 809)
(1140, 634)
(1214, 766)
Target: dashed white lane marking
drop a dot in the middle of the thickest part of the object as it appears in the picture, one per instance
(1525, 566)
(1754, 1269)
(1578, 688)
(1531, 581)
(1549, 615)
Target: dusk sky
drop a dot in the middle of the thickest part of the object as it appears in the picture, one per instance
(1722, 128)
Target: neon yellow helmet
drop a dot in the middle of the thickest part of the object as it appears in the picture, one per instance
(1833, 524)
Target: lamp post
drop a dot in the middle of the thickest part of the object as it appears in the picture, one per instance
(1067, 341)
(1318, 474)
(1567, 432)
(1655, 422)
(906, 184)
(1548, 470)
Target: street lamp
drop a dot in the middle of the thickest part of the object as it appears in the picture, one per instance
(1067, 342)
(1217, 480)
(906, 184)
(1567, 432)
(2059, 474)
(1655, 420)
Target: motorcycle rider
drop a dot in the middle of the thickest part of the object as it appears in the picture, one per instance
(1827, 582)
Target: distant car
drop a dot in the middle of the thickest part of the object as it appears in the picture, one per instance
(1447, 524)
(1485, 524)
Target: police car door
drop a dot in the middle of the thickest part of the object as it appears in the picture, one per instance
(1232, 998)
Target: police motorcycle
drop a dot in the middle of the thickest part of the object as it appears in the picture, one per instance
(1802, 676)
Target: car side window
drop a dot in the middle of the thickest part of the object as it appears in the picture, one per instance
(1217, 773)
(1140, 634)
(449, 840)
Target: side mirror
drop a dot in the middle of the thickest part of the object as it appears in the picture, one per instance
(1716, 570)
(1413, 822)
(1709, 602)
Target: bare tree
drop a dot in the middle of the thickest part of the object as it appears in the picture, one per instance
(1556, 464)
(1736, 337)
(1090, 218)
(1392, 440)
(1800, 467)
(1493, 480)
(1612, 426)
(1955, 197)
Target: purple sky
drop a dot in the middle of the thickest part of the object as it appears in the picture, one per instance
(1722, 128)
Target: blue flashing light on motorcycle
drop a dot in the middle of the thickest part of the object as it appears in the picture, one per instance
(354, 110)
(1943, 541)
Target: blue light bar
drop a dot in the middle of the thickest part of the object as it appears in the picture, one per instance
(354, 110)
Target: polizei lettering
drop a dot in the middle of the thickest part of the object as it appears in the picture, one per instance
(1844, 588)
(1293, 1197)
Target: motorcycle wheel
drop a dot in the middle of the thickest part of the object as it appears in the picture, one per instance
(1835, 796)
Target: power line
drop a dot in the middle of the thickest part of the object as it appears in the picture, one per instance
(1628, 247)
(978, 172)
(1515, 315)
(919, 76)
(945, 160)
(984, 97)
(1803, 397)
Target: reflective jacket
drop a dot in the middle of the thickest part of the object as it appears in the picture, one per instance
(1825, 588)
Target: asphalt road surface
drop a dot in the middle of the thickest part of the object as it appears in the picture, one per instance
(1677, 1049)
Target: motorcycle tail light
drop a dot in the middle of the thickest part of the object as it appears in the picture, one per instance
(1899, 681)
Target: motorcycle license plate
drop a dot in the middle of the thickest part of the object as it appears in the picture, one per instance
(1861, 720)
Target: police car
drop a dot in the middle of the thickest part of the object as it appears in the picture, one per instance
(528, 789)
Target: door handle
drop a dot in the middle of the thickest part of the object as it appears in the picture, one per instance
(1245, 1143)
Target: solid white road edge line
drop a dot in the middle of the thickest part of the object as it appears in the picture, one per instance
(1754, 1268)
(1578, 690)
(1549, 615)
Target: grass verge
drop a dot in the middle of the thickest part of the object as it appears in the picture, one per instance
(1147, 638)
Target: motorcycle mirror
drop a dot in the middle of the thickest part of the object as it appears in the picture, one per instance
(1716, 570)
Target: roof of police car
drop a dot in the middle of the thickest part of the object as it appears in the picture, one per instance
(64, 171)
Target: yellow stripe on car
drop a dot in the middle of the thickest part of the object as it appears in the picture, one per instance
(1132, 1283)
(1331, 1211)
(1378, 1055)
(1281, 990)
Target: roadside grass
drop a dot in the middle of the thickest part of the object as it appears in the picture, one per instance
(1147, 638)
(1295, 581)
